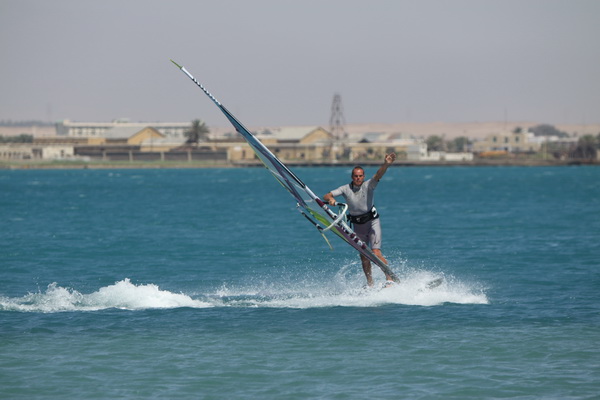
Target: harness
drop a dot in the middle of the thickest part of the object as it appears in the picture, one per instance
(364, 218)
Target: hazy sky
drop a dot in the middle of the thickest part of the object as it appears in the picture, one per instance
(278, 62)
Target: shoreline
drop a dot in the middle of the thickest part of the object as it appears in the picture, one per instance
(33, 165)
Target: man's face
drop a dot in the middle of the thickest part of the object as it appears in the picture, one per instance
(358, 176)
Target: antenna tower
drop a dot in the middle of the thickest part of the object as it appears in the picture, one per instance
(337, 121)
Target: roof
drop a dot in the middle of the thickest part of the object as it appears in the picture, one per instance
(392, 138)
(290, 133)
(122, 132)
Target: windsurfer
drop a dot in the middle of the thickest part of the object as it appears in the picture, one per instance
(359, 195)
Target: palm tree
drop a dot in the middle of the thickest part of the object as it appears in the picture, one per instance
(197, 132)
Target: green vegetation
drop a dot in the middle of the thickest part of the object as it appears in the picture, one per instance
(435, 143)
(22, 138)
(456, 145)
(198, 132)
(548, 130)
(587, 147)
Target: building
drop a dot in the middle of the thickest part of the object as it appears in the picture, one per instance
(522, 142)
(506, 141)
(124, 140)
(373, 146)
(299, 144)
(131, 135)
(510, 142)
(21, 151)
(172, 130)
(418, 152)
(120, 139)
(313, 144)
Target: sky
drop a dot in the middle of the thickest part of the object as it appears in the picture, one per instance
(280, 62)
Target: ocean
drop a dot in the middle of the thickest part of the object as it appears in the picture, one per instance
(208, 284)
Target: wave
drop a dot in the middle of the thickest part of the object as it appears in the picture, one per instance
(342, 291)
(122, 295)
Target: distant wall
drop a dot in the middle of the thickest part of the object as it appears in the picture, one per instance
(137, 155)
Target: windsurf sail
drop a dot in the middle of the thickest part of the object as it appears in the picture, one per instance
(311, 206)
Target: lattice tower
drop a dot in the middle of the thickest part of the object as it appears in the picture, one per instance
(337, 121)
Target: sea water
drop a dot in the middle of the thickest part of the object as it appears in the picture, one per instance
(207, 284)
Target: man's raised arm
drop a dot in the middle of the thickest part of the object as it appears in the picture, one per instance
(389, 159)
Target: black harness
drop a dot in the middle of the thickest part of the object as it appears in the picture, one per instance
(364, 218)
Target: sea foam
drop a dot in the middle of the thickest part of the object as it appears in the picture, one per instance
(121, 295)
(343, 291)
(348, 291)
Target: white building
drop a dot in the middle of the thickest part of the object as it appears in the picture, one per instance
(22, 151)
(418, 152)
(173, 130)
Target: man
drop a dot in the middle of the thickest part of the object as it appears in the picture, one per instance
(359, 197)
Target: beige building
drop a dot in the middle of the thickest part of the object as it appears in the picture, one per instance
(298, 143)
(132, 135)
(315, 144)
(510, 142)
(289, 144)
(373, 146)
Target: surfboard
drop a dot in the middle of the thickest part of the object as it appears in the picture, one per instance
(432, 284)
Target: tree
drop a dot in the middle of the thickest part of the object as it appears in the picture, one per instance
(458, 144)
(587, 146)
(197, 132)
(435, 143)
(22, 138)
(547, 130)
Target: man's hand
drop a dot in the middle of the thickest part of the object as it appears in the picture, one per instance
(389, 159)
(330, 199)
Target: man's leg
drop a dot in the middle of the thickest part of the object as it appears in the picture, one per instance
(382, 258)
(366, 266)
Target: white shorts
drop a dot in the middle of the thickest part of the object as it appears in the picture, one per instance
(369, 232)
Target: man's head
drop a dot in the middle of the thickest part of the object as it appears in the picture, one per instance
(358, 176)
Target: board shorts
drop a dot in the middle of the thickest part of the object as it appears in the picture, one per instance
(369, 232)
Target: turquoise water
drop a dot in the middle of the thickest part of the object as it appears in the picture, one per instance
(207, 284)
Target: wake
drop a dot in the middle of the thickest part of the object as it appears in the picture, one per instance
(344, 290)
(122, 295)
